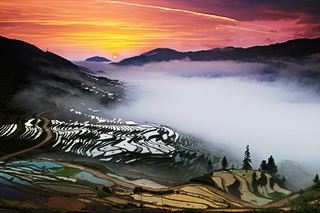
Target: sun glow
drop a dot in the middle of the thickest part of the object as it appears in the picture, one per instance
(74, 33)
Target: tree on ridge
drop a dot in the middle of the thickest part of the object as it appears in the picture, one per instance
(246, 160)
(224, 163)
(263, 166)
(272, 168)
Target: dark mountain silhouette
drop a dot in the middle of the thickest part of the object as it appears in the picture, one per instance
(292, 49)
(156, 55)
(31, 79)
(98, 59)
(26, 53)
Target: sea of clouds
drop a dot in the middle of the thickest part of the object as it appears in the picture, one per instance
(274, 107)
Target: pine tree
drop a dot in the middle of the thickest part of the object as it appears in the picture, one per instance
(316, 179)
(263, 179)
(209, 167)
(272, 168)
(263, 166)
(246, 160)
(254, 176)
(224, 163)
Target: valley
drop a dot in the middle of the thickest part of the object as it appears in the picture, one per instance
(62, 151)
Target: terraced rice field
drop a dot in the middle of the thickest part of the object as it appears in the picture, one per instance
(123, 143)
(223, 179)
(108, 140)
(128, 143)
(171, 200)
(248, 195)
(191, 196)
(113, 141)
(17, 134)
(87, 184)
(62, 203)
(24, 130)
(37, 184)
(204, 193)
(26, 173)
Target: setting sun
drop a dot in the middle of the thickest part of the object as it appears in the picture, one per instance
(115, 56)
(180, 25)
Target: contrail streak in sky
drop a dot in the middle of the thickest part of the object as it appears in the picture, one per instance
(172, 9)
(256, 28)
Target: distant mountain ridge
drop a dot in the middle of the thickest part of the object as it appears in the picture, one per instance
(297, 177)
(297, 48)
(98, 59)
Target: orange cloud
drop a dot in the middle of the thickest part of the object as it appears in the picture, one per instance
(77, 29)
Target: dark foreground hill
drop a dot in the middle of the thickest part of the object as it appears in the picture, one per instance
(293, 49)
(32, 80)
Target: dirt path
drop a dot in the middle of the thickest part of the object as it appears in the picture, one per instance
(48, 137)
(44, 127)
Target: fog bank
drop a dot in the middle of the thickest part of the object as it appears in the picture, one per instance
(231, 104)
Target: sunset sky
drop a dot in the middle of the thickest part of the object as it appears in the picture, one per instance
(77, 29)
